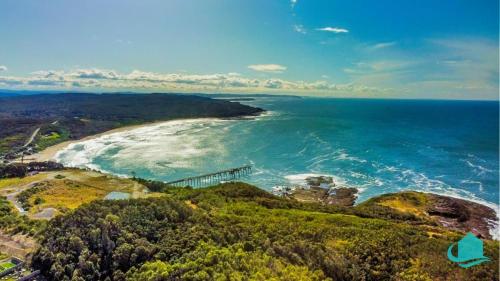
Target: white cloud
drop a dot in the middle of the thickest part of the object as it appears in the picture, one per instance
(98, 79)
(3, 68)
(125, 42)
(273, 84)
(96, 74)
(460, 68)
(471, 62)
(387, 73)
(299, 28)
(382, 45)
(271, 68)
(333, 29)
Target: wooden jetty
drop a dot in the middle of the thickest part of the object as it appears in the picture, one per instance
(213, 178)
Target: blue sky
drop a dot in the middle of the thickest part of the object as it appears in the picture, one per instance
(358, 48)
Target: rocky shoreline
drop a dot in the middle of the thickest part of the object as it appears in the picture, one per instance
(452, 213)
(463, 215)
(324, 190)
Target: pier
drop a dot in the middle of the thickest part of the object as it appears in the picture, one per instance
(213, 178)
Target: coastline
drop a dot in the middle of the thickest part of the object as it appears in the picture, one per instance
(50, 152)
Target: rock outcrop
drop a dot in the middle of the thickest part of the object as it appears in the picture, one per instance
(323, 189)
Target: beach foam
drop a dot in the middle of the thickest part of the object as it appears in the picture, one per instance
(170, 145)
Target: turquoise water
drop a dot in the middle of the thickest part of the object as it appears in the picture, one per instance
(379, 146)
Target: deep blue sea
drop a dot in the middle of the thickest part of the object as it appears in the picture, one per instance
(379, 146)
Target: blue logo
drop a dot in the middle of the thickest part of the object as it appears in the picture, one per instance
(470, 251)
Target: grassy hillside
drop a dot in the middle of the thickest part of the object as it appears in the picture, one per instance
(49, 193)
(236, 231)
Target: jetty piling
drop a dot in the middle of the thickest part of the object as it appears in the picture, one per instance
(208, 179)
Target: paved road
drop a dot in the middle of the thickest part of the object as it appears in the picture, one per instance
(32, 137)
(12, 197)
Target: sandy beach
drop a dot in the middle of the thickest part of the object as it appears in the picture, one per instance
(50, 152)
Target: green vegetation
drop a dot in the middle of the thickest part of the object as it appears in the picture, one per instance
(9, 141)
(19, 170)
(14, 130)
(6, 183)
(236, 231)
(209, 262)
(155, 186)
(38, 201)
(25, 195)
(406, 202)
(50, 135)
(12, 222)
(3, 256)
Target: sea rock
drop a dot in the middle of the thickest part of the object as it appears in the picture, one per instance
(342, 196)
(322, 189)
(320, 181)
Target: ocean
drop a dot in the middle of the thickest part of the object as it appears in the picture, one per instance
(379, 146)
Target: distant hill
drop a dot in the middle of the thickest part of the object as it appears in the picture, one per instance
(120, 107)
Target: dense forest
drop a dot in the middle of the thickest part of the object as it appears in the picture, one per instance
(235, 231)
(75, 115)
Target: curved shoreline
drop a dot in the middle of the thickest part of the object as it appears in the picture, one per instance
(50, 152)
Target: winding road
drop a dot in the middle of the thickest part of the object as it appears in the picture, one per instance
(30, 140)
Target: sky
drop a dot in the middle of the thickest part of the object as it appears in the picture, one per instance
(427, 49)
